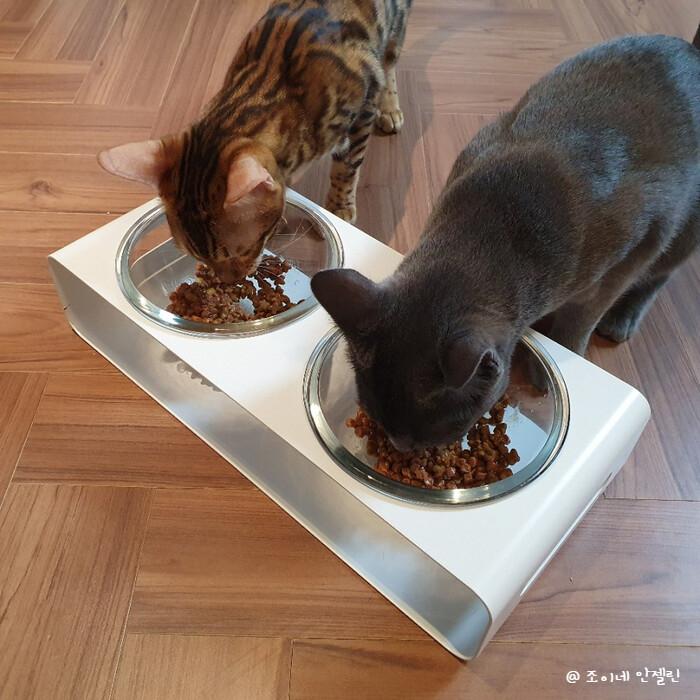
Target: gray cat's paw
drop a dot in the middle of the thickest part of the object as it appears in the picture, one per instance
(617, 327)
(390, 120)
(347, 213)
(537, 374)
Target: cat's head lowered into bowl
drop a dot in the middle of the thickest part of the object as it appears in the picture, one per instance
(222, 206)
(425, 377)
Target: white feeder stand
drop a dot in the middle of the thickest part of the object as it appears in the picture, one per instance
(272, 396)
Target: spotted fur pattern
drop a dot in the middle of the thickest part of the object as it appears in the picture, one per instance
(311, 77)
(325, 70)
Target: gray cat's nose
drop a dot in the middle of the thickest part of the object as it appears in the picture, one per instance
(402, 443)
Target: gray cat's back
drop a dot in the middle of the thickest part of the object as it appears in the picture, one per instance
(627, 81)
(575, 206)
(633, 90)
(625, 115)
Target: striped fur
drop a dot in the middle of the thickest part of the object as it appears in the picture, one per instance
(311, 77)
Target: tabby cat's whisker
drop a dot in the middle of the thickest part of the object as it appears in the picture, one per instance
(295, 237)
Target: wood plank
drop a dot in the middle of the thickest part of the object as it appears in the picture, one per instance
(456, 49)
(625, 576)
(19, 397)
(663, 464)
(35, 81)
(27, 239)
(28, 11)
(679, 18)
(387, 182)
(679, 300)
(12, 36)
(443, 21)
(68, 558)
(134, 64)
(668, 374)
(68, 128)
(37, 182)
(217, 29)
(170, 667)
(71, 31)
(524, 4)
(222, 562)
(446, 135)
(577, 22)
(140, 443)
(647, 473)
(470, 93)
(342, 669)
(36, 337)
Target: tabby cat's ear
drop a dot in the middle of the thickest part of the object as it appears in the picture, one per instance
(143, 161)
(349, 297)
(247, 178)
(464, 356)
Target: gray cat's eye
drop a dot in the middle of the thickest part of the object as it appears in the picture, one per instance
(537, 422)
(150, 266)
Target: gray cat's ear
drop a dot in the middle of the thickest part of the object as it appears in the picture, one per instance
(349, 297)
(143, 161)
(463, 357)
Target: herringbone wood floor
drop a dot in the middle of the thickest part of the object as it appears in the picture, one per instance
(134, 561)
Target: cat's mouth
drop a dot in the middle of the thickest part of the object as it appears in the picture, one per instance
(403, 444)
(230, 271)
(407, 444)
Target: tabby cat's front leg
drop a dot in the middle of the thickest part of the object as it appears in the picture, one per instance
(345, 170)
(389, 115)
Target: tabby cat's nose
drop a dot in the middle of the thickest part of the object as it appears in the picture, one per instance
(228, 271)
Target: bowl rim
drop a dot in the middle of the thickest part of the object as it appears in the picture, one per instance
(433, 497)
(150, 219)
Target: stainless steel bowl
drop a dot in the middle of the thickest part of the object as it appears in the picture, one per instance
(150, 266)
(537, 422)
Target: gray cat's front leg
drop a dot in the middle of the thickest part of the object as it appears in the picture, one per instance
(575, 320)
(622, 319)
(572, 327)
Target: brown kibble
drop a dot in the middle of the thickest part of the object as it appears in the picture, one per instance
(486, 461)
(209, 300)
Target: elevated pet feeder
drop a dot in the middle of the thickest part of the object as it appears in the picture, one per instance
(274, 400)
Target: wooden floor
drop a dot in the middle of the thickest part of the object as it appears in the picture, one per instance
(134, 561)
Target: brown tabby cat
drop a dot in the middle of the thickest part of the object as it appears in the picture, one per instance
(312, 76)
(580, 202)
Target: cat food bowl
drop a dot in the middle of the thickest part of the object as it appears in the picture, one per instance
(150, 266)
(537, 423)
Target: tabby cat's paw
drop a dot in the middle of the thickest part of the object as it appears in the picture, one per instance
(390, 121)
(347, 213)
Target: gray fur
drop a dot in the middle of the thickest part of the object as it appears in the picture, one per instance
(578, 203)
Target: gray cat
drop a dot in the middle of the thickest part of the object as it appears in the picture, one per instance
(578, 204)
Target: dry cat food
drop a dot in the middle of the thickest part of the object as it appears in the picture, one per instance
(209, 300)
(488, 458)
